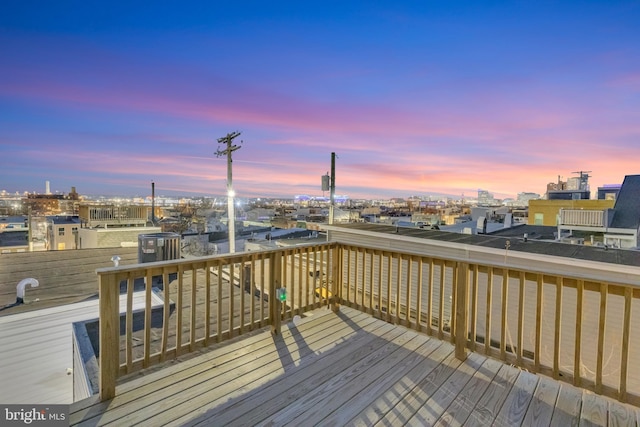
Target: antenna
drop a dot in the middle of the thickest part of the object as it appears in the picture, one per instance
(584, 179)
(228, 140)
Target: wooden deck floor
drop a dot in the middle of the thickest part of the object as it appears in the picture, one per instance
(346, 369)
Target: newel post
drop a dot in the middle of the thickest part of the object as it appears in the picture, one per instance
(462, 311)
(275, 282)
(335, 285)
(109, 303)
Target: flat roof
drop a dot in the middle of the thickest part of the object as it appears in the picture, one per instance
(36, 350)
(590, 253)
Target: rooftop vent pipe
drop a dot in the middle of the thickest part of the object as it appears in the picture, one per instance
(21, 287)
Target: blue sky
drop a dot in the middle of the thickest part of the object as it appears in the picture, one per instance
(416, 98)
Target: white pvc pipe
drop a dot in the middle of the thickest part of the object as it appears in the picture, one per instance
(23, 284)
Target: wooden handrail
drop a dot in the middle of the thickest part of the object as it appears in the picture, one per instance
(540, 321)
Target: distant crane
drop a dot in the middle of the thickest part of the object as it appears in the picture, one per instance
(228, 140)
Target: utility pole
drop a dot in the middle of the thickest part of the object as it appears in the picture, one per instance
(332, 188)
(228, 141)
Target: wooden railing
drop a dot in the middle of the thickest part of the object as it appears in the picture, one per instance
(574, 329)
(570, 328)
(206, 300)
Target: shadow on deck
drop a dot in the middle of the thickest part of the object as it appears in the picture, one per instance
(344, 368)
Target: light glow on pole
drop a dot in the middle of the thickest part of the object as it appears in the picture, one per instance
(228, 141)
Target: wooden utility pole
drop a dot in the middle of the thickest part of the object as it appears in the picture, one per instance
(230, 148)
(332, 188)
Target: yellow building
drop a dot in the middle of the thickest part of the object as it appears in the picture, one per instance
(545, 212)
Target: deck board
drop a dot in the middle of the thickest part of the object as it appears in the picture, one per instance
(449, 380)
(343, 369)
(458, 412)
(568, 405)
(492, 400)
(306, 378)
(541, 407)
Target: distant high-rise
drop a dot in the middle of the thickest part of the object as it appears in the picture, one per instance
(47, 187)
(485, 198)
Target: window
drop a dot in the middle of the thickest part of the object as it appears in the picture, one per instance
(61, 231)
(538, 219)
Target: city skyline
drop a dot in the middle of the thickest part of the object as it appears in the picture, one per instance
(416, 98)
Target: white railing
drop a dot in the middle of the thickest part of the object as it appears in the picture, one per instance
(582, 218)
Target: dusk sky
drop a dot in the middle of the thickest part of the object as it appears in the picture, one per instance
(416, 98)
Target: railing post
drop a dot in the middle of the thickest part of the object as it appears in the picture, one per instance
(109, 293)
(462, 290)
(275, 282)
(335, 286)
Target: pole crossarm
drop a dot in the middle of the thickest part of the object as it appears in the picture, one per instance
(228, 140)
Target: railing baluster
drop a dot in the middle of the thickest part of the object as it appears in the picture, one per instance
(316, 273)
(379, 256)
(363, 279)
(626, 333)
(192, 325)
(577, 359)
(398, 288)
(539, 299)
(219, 304)
(601, 330)
(129, 322)
(453, 299)
(207, 302)
(503, 313)
(147, 318)
(336, 289)
(348, 284)
(166, 312)
(558, 328)
(262, 298)
(419, 295)
(231, 299)
(441, 302)
(323, 273)
(179, 307)
(487, 329)
(408, 292)
(474, 307)
(371, 268)
(462, 290)
(275, 282)
(519, 350)
(389, 269)
(430, 298)
(299, 283)
(242, 294)
(307, 287)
